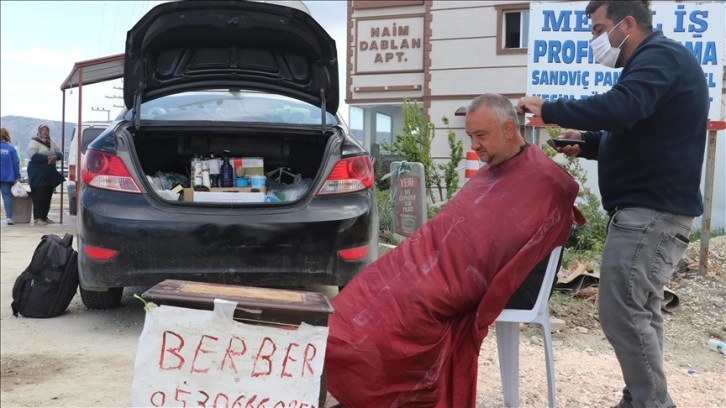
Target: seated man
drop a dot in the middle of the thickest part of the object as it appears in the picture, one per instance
(407, 330)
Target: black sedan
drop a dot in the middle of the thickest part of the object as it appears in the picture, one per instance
(220, 93)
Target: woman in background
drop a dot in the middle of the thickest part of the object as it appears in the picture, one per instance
(9, 172)
(43, 176)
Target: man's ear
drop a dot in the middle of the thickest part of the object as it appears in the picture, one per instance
(630, 23)
(509, 131)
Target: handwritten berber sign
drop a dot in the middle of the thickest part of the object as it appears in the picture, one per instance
(200, 358)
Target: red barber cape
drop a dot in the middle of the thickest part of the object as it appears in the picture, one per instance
(407, 330)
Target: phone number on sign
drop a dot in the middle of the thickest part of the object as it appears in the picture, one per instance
(183, 398)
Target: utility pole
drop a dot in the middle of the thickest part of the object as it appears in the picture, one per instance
(115, 97)
(108, 112)
(118, 88)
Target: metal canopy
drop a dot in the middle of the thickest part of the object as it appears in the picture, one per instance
(86, 73)
(95, 70)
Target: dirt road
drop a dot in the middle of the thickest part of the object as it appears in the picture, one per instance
(85, 358)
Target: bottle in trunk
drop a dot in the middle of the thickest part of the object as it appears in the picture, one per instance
(205, 174)
(214, 164)
(197, 172)
(226, 172)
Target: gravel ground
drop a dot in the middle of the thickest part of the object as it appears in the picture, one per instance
(85, 358)
(587, 372)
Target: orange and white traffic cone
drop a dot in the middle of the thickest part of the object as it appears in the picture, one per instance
(472, 164)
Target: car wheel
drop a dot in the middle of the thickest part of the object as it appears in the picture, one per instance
(102, 300)
(72, 205)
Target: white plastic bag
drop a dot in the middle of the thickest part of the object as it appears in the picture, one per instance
(17, 190)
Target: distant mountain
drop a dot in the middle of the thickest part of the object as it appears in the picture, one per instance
(23, 128)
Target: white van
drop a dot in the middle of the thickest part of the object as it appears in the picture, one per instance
(90, 130)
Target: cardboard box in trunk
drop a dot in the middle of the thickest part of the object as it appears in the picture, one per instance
(248, 166)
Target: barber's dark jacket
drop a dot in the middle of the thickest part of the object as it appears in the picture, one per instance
(648, 132)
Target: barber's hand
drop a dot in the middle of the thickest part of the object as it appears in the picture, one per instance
(530, 104)
(52, 159)
(570, 150)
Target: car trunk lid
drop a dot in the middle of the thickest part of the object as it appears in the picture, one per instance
(186, 45)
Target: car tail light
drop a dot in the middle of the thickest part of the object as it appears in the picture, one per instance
(98, 253)
(349, 175)
(71, 172)
(107, 171)
(353, 254)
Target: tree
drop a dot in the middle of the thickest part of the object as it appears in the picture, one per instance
(451, 168)
(414, 145)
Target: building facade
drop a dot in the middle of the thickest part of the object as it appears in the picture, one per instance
(443, 53)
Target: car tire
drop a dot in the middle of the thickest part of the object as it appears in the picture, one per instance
(102, 300)
(72, 205)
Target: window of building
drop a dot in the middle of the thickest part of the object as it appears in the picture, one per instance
(384, 130)
(355, 117)
(512, 28)
(516, 29)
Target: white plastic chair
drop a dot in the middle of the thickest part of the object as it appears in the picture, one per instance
(507, 328)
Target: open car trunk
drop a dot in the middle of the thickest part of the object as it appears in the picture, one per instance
(289, 160)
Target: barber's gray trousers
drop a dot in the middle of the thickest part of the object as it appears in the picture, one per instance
(642, 248)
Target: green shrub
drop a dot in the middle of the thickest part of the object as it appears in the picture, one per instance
(385, 210)
(695, 234)
(585, 241)
(414, 145)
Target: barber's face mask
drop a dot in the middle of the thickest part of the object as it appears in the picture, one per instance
(605, 53)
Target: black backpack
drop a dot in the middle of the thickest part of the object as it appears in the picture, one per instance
(47, 286)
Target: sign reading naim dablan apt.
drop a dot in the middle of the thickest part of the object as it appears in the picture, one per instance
(386, 45)
(560, 63)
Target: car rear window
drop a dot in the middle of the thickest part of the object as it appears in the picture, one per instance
(233, 106)
(90, 135)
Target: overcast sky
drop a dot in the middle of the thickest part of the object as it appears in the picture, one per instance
(41, 40)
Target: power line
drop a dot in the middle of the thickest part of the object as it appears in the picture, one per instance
(142, 11)
(115, 23)
(100, 36)
(132, 13)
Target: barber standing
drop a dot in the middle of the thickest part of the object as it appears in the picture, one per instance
(648, 134)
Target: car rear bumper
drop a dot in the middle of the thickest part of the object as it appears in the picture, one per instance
(264, 247)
